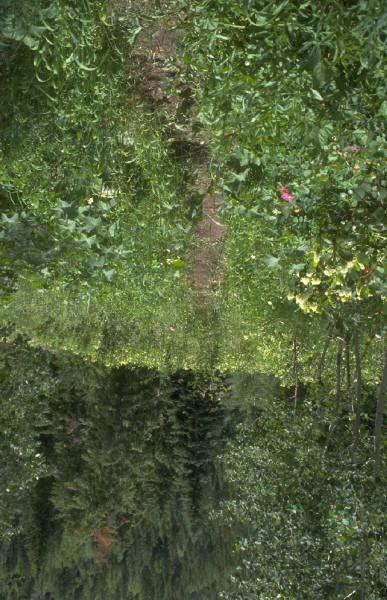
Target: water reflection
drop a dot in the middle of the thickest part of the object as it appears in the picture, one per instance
(123, 509)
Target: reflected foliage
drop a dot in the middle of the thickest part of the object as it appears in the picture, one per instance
(122, 481)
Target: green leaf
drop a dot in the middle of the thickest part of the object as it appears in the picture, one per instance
(91, 223)
(96, 261)
(178, 263)
(297, 267)
(317, 95)
(109, 274)
(272, 262)
(31, 42)
(383, 109)
(89, 241)
(240, 176)
(11, 220)
(83, 66)
(133, 35)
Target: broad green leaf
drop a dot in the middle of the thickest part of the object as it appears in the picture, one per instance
(272, 262)
(317, 95)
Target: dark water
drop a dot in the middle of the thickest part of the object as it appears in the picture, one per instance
(132, 473)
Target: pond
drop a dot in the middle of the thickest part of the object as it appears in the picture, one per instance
(131, 476)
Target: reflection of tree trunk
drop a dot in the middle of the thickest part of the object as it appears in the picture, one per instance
(356, 427)
(103, 540)
(339, 363)
(295, 371)
(364, 552)
(380, 415)
(322, 360)
(348, 373)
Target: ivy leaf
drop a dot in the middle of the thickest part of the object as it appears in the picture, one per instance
(11, 220)
(96, 261)
(68, 225)
(362, 191)
(272, 262)
(109, 274)
(113, 229)
(240, 176)
(297, 268)
(91, 223)
(89, 241)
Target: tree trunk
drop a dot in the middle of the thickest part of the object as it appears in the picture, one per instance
(348, 373)
(295, 371)
(339, 363)
(356, 426)
(322, 360)
(379, 415)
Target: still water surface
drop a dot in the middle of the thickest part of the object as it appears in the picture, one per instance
(124, 510)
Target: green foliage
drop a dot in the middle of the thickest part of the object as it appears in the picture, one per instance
(98, 214)
(94, 200)
(125, 451)
(26, 384)
(112, 467)
(294, 98)
(18, 24)
(311, 522)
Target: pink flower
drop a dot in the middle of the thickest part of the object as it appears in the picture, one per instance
(353, 149)
(286, 196)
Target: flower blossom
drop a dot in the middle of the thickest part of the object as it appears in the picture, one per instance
(286, 196)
